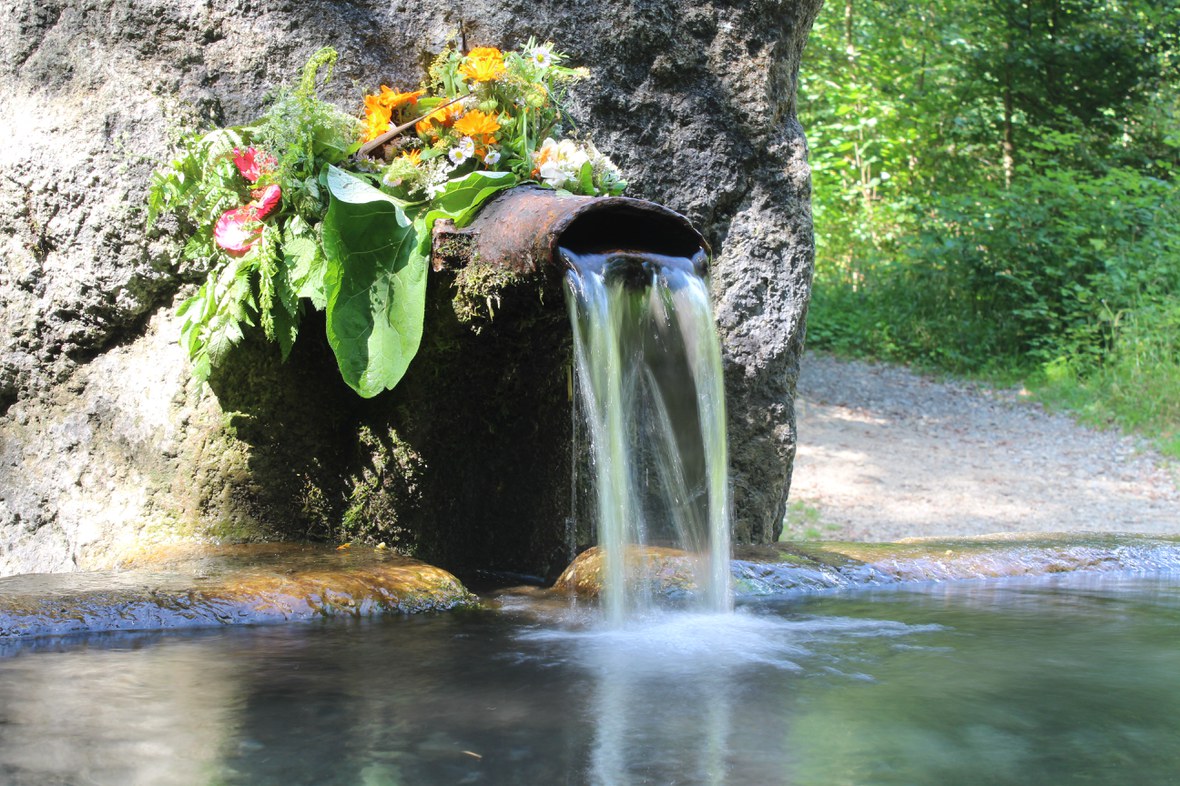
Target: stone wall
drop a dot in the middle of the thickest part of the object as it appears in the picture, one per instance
(107, 445)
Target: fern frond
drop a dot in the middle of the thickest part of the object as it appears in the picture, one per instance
(268, 270)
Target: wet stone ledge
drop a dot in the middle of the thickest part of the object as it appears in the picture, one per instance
(784, 567)
(223, 585)
(800, 567)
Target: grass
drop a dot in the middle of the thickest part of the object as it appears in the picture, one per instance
(1132, 385)
(1141, 400)
(805, 522)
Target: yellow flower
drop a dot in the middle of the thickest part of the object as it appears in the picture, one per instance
(413, 156)
(478, 125)
(376, 118)
(483, 64)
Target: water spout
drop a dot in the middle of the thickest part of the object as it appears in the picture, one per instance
(523, 229)
(648, 368)
(649, 371)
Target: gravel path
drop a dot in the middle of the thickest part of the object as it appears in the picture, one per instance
(886, 454)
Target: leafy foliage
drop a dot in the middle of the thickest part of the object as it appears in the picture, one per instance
(460, 200)
(282, 213)
(995, 183)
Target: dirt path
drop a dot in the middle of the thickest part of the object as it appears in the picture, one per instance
(886, 454)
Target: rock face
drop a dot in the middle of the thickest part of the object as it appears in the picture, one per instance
(104, 440)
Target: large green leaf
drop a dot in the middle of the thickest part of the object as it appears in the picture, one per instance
(461, 199)
(375, 282)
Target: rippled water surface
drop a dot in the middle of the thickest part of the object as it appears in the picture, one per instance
(1074, 680)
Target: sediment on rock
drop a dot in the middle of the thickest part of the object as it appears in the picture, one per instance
(792, 567)
(210, 586)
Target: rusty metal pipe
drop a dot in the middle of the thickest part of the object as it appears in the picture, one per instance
(523, 228)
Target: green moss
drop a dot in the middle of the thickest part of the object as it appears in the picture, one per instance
(381, 490)
(805, 522)
(478, 291)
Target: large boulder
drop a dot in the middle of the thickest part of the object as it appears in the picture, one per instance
(105, 442)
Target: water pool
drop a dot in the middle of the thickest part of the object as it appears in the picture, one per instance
(1074, 679)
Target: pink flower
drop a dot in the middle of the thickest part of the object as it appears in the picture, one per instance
(267, 201)
(254, 163)
(237, 230)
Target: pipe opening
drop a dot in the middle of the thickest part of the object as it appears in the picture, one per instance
(631, 242)
(528, 228)
(617, 225)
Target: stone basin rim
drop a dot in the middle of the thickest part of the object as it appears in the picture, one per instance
(203, 585)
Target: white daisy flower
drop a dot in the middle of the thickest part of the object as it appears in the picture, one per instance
(541, 56)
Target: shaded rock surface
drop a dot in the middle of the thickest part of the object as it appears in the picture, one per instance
(210, 586)
(104, 441)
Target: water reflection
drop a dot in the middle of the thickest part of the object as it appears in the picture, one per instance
(703, 698)
(642, 714)
(1001, 683)
(118, 710)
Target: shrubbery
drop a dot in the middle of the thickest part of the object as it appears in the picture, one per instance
(975, 214)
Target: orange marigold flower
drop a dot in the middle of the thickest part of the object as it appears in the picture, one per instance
(395, 100)
(477, 124)
(444, 116)
(377, 117)
(376, 124)
(380, 109)
(483, 64)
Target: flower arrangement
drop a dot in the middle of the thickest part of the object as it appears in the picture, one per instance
(310, 206)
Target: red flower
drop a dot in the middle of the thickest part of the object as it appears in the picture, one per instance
(254, 163)
(237, 230)
(267, 201)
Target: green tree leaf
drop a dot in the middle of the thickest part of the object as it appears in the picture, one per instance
(375, 283)
(461, 199)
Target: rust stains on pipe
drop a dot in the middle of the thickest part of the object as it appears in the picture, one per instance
(522, 228)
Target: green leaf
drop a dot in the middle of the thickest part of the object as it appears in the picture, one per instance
(304, 261)
(461, 199)
(586, 179)
(375, 283)
(286, 319)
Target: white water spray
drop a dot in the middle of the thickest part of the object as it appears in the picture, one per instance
(649, 376)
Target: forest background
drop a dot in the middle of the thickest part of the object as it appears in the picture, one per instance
(995, 196)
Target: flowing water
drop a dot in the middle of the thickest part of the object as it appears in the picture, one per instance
(649, 378)
(1070, 679)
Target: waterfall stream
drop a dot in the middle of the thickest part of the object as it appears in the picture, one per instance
(648, 365)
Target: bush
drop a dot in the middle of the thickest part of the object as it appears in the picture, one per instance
(1018, 278)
